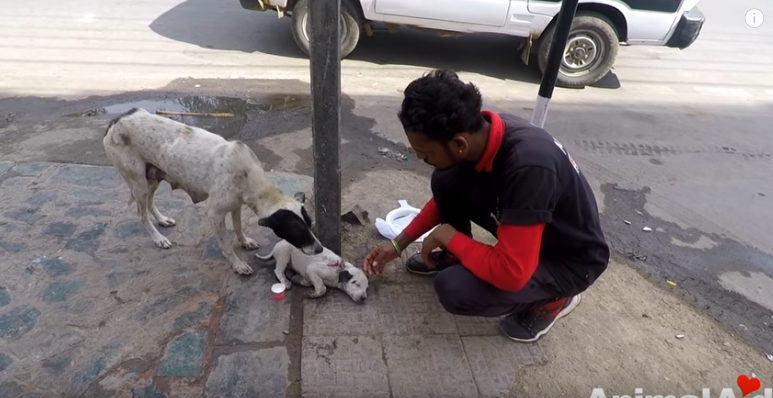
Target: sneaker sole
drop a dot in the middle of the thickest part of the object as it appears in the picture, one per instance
(569, 308)
(420, 272)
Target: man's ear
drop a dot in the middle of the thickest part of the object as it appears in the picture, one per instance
(344, 276)
(300, 197)
(459, 143)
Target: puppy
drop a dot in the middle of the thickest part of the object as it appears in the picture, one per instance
(146, 149)
(321, 271)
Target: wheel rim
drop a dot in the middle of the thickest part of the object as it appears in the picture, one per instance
(584, 52)
(307, 36)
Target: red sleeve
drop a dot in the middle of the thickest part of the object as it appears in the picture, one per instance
(427, 218)
(509, 264)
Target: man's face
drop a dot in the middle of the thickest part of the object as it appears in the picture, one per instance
(436, 154)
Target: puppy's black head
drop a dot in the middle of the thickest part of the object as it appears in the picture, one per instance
(294, 229)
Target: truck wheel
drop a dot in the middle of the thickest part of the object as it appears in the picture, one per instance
(591, 50)
(349, 28)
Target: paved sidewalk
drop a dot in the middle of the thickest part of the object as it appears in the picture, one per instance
(90, 307)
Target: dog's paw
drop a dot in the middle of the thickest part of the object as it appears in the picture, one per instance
(313, 295)
(242, 268)
(167, 222)
(250, 244)
(288, 285)
(163, 242)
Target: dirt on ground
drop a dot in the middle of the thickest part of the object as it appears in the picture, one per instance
(629, 334)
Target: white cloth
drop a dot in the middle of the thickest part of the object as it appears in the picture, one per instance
(397, 219)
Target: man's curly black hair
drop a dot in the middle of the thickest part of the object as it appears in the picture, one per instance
(440, 105)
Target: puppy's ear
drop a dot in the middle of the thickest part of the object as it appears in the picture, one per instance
(344, 276)
(300, 197)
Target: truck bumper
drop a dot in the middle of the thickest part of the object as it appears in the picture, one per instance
(687, 30)
(255, 4)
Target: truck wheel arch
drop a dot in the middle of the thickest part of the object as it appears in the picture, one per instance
(612, 14)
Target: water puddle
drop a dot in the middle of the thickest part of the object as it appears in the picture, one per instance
(224, 116)
(282, 102)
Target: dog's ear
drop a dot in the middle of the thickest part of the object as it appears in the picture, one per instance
(300, 197)
(344, 276)
(268, 222)
(305, 216)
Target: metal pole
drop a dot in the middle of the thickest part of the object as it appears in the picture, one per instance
(325, 66)
(557, 48)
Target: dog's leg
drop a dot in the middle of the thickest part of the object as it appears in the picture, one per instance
(247, 243)
(217, 218)
(299, 280)
(279, 270)
(162, 220)
(319, 285)
(140, 191)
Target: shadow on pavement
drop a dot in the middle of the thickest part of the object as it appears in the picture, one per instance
(227, 26)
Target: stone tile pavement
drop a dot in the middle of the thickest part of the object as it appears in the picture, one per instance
(89, 307)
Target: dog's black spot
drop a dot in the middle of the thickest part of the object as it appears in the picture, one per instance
(119, 117)
(290, 227)
(126, 139)
(344, 276)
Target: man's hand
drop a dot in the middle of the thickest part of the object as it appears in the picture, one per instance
(439, 238)
(377, 259)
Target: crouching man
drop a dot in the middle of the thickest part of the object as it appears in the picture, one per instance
(517, 182)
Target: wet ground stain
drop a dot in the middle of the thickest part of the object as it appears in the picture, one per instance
(694, 261)
(260, 109)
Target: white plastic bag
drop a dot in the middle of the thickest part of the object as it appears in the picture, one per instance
(397, 219)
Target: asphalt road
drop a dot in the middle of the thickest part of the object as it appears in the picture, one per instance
(683, 134)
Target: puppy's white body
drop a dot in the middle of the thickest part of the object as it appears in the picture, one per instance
(321, 271)
(146, 148)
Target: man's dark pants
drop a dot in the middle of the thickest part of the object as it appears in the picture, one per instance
(463, 196)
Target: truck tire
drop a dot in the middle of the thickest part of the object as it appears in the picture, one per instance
(350, 27)
(591, 51)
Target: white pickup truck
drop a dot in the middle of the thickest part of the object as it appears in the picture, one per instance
(597, 30)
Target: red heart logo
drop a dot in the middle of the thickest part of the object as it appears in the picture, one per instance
(747, 385)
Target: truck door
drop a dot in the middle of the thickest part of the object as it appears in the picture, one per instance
(478, 12)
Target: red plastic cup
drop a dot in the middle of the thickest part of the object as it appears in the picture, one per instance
(278, 289)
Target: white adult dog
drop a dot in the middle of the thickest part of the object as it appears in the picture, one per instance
(321, 271)
(146, 149)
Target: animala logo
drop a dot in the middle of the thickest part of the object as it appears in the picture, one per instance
(747, 385)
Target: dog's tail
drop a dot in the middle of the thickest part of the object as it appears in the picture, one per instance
(268, 256)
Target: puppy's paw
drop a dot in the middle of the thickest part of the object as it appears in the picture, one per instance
(288, 285)
(250, 244)
(162, 242)
(242, 268)
(313, 295)
(167, 222)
